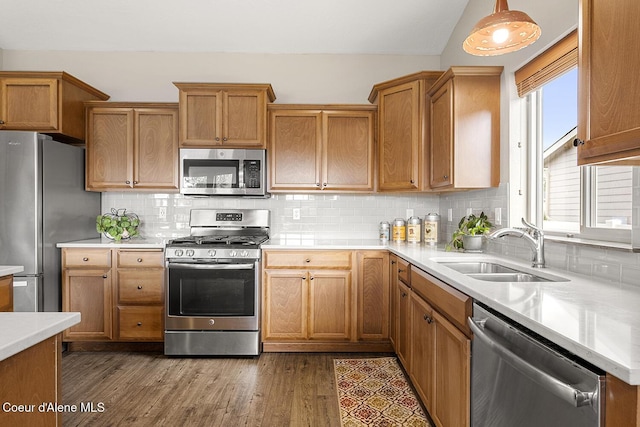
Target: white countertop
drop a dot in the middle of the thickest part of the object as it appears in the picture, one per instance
(134, 242)
(6, 270)
(19, 331)
(598, 321)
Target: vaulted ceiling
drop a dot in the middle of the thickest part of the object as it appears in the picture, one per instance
(410, 27)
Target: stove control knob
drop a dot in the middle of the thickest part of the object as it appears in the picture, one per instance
(211, 253)
(178, 252)
(190, 252)
(244, 254)
(233, 253)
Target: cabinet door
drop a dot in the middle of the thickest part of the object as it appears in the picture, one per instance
(156, 149)
(244, 118)
(373, 295)
(6, 293)
(88, 292)
(109, 149)
(29, 104)
(422, 349)
(608, 102)
(404, 326)
(442, 137)
(399, 133)
(330, 305)
(452, 375)
(285, 304)
(393, 315)
(295, 149)
(347, 150)
(200, 117)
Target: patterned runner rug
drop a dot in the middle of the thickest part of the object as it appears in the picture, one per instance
(374, 392)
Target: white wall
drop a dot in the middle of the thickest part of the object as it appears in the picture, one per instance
(148, 76)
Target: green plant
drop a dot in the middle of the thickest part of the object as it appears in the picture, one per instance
(118, 224)
(470, 225)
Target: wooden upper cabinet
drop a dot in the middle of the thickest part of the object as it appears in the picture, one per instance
(465, 129)
(47, 102)
(608, 87)
(224, 115)
(403, 119)
(132, 146)
(321, 147)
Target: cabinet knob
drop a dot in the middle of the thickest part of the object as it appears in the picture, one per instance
(1, 122)
(85, 259)
(324, 185)
(412, 182)
(401, 270)
(577, 142)
(127, 182)
(404, 294)
(139, 286)
(317, 184)
(104, 276)
(428, 319)
(139, 323)
(225, 139)
(135, 182)
(311, 278)
(139, 260)
(393, 262)
(446, 177)
(217, 138)
(307, 260)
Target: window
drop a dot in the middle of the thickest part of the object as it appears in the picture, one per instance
(591, 202)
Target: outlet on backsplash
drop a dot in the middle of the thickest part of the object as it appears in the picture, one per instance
(162, 212)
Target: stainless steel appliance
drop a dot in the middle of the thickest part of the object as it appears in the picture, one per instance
(520, 379)
(42, 203)
(213, 284)
(223, 172)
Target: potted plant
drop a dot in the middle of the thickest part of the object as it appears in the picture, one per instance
(470, 232)
(118, 224)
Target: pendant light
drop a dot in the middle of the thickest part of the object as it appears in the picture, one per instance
(501, 32)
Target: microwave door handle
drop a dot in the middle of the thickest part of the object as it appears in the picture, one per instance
(213, 266)
(562, 390)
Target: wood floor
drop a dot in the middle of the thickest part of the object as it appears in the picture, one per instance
(149, 389)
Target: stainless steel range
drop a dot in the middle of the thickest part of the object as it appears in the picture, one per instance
(213, 284)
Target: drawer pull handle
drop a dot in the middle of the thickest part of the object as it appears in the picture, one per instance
(404, 294)
(85, 259)
(139, 260)
(401, 270)
(104, 276)
(139, 286)
(428, 319)
(139, 323)
(307, 260)
(311, 278)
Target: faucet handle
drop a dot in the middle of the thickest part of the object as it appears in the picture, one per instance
(532, 227)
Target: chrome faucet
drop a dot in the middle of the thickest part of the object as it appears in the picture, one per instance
(531, 234)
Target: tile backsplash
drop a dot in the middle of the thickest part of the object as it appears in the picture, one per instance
(349, 216)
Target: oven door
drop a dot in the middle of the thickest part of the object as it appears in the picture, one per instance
(213, 296)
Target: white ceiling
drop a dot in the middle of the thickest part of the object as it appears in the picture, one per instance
(411, 27)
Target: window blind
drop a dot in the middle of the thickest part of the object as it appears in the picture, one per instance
(552, 63)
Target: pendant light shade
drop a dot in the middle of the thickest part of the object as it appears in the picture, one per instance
(501, 32)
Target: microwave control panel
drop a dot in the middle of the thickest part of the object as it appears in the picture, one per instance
(252, 174)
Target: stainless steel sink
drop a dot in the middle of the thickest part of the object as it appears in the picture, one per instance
(478, 267)
(494, 272)
(509, 277)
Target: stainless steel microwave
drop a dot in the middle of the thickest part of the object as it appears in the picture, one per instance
(223, 172)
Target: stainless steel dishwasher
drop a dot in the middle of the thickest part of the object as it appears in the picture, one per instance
(519, 379)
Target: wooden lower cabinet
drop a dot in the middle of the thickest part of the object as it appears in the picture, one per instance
(403, 338)
(320, 301)
(393, 293)
(119, 302)
(422, 345)
(6, 293)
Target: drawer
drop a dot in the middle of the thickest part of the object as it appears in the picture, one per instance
(141, 286)
(308, 259)
(131, 258)
(450, 302)
(143, 323)
(91, 258)
(404, 269)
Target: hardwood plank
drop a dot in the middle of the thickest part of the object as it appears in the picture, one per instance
(149, 389)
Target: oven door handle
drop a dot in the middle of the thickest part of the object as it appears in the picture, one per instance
(212, 266)
(562, 390)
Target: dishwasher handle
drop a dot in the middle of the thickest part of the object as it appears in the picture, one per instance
(562, 390)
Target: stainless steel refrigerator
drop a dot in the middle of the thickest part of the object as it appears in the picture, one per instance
(42, 203)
